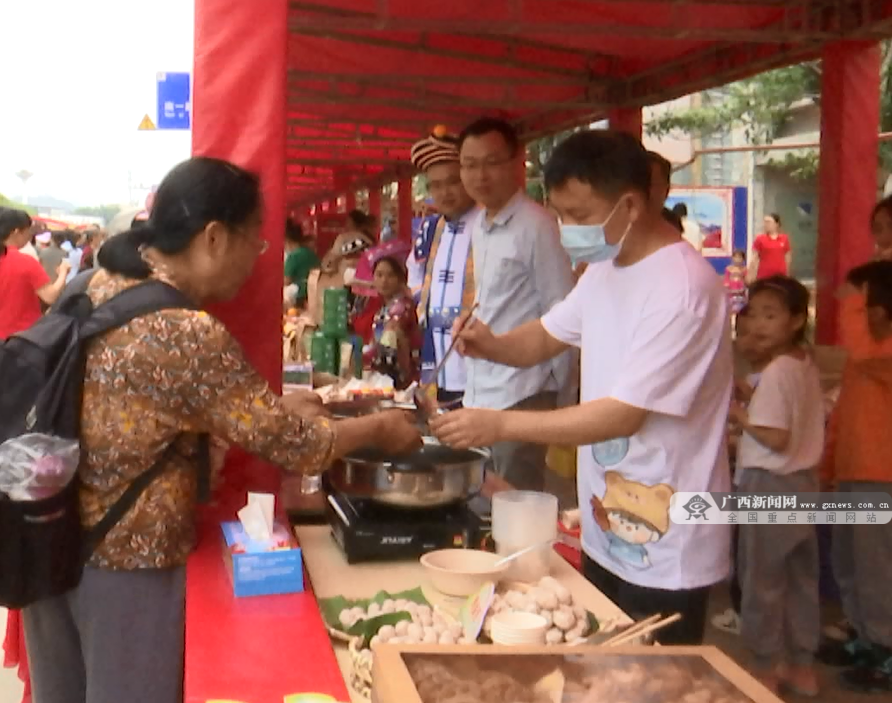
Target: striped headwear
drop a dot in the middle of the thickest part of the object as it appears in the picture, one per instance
(437, 148)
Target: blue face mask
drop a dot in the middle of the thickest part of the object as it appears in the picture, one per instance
(588, 243)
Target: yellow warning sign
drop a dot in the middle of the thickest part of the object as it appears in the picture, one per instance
(146, 124)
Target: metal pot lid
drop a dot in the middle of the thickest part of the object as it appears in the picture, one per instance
(431, 456)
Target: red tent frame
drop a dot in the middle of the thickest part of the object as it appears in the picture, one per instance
(325, 97)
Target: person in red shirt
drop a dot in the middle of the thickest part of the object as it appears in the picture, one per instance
(772, 255)
(23, 285)
(23, 282)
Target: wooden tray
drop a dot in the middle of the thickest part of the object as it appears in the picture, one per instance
(530, 666)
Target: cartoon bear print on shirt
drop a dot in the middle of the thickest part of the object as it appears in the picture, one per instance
(632, 515)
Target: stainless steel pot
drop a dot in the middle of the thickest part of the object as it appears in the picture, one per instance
(433, 476)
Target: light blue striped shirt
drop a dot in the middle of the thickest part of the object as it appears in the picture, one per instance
(521, 272)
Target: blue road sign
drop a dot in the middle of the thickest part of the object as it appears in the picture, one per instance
(174, 101)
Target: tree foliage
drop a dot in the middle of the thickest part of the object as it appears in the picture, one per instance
(760, 106)
(801, 165)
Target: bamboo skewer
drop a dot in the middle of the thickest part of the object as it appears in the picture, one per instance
(645, 627)
(633, 628)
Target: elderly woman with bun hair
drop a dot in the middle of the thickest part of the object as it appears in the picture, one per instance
(151, 387)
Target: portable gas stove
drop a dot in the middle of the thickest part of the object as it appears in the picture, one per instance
(368, 531)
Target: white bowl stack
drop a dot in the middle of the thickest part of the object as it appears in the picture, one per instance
(519, 628)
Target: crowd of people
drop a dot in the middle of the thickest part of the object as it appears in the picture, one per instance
(657, 388)
(601, 328)
(61, 255)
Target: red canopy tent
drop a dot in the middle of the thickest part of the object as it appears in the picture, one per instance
(324, 97)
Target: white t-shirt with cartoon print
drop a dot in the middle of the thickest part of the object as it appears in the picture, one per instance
(654, 335)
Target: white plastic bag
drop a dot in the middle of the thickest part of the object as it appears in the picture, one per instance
(37, 466)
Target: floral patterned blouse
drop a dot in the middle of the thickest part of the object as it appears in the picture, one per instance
(165, 378)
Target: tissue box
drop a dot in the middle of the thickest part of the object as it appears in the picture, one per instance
(263, 568)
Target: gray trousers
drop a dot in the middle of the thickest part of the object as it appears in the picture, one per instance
(779, 567)
(116, 638)
(519, 463)
(862, 567)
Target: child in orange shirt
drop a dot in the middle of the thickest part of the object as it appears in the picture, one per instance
(858, 458)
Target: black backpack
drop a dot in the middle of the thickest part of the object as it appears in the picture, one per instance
(42, 546)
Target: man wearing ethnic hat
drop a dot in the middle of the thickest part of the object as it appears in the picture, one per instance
(448, 285)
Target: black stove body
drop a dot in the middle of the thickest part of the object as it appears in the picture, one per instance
(369, 531)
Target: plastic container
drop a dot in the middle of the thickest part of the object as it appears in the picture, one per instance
(521, 519)
(335, 312)
(298, 375)
(324, 353)
(350, 361)
(518, 628)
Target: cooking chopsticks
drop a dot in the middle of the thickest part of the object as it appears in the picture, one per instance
(439, 367)
(642, 628)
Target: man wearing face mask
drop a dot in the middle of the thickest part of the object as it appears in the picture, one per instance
(520, 272)
(650, 318)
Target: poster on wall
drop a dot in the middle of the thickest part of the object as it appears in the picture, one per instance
(711, 211)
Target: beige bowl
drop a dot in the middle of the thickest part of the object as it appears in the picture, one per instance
(462, 572)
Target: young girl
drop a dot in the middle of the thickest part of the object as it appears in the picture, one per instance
(735, 281)
(783, 435)
(396, 349)
(750, 360)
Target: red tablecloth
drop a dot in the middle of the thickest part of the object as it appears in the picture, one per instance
(14, 655)
(255, 650)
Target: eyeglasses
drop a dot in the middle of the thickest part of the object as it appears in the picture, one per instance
(489, 164)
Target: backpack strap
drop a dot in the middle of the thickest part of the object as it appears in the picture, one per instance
(74, 300)
(78, 285)
(93, 538)
(204, 468)
(142, 299)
